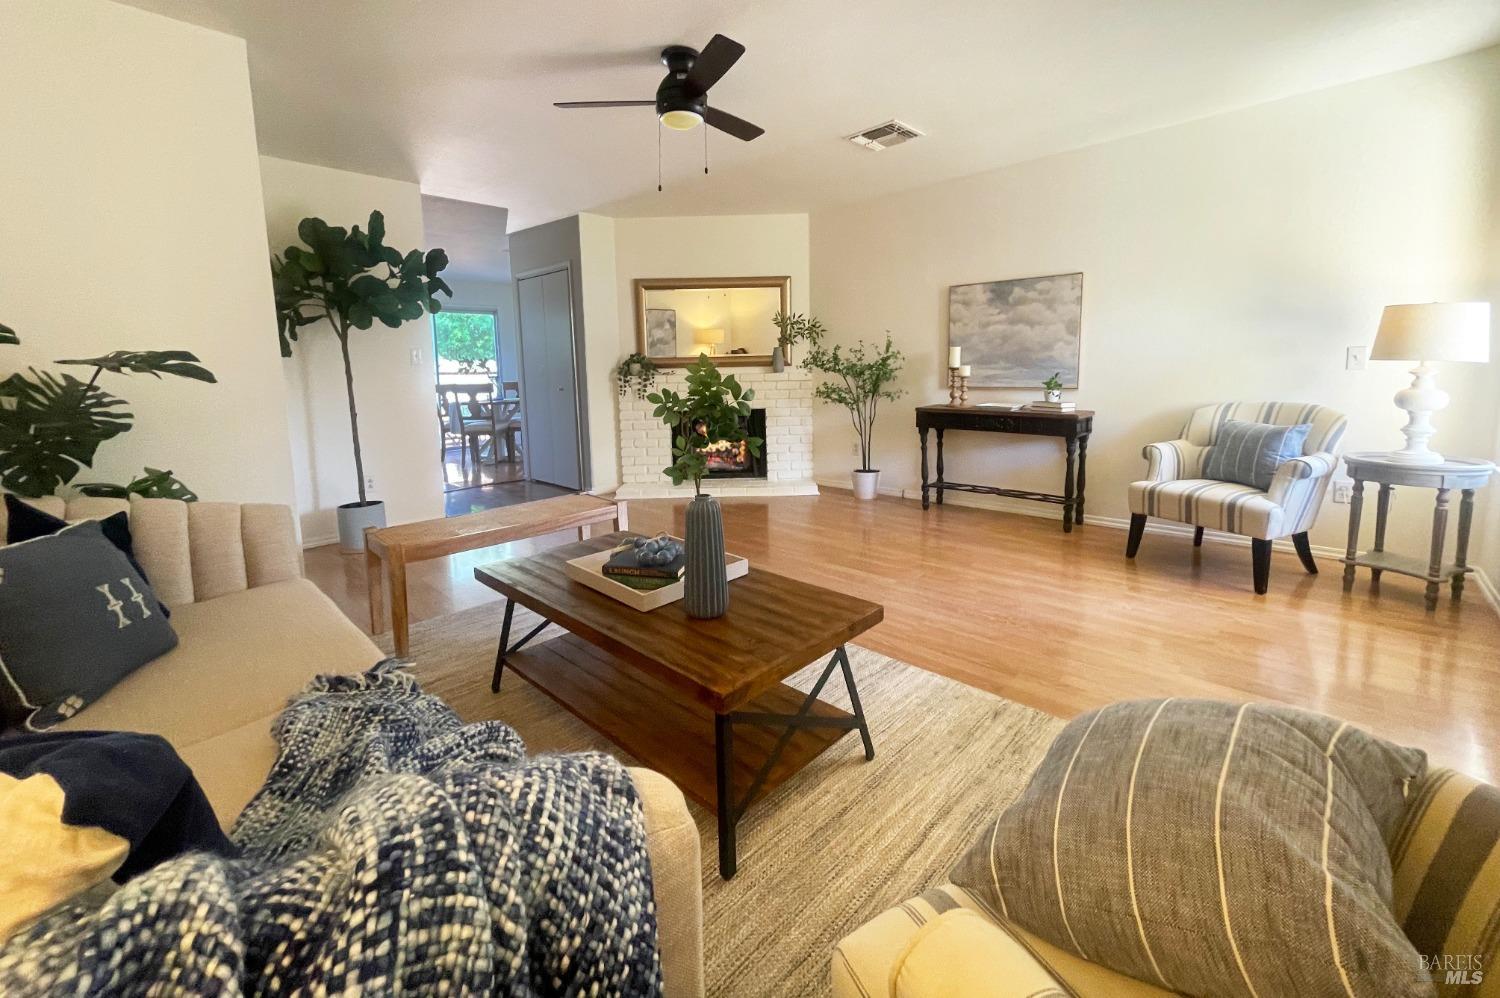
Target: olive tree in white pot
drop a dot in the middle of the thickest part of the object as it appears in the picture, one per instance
(859, 378)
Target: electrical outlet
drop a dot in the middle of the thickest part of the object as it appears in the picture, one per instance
(1342, 491)
(1355, 357)
(369, 483)
(416, 357)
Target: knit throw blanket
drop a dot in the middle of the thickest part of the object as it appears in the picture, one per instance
(392, 850)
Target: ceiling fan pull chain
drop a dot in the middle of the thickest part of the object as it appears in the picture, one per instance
(705, 143)
(658, 157)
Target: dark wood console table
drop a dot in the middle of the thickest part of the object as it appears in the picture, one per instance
(1073, 427)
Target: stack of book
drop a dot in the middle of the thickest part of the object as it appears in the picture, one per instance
(626, 566)
(1052, 406)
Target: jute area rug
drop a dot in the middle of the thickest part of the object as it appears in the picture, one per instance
(835, 845)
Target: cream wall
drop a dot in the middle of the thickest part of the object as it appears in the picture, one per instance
(1230, 258)
(708, 246)
(393, 368)
(130, 218)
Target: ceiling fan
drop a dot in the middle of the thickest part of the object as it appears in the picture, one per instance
(682, 98)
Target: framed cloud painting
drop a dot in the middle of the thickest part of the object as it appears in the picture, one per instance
(1015, 334)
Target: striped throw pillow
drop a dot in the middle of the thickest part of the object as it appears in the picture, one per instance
(1446, 856)
(1210, 848)
(1250, 453)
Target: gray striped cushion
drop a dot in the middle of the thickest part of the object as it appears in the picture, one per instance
(1250, 453)
(1210, 848)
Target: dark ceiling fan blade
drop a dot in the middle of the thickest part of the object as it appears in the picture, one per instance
(604, 103)
(726, 122)
(713, 62)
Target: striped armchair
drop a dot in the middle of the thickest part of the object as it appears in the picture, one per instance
(1174, 488)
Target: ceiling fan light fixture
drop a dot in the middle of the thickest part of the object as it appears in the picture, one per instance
(681, 120)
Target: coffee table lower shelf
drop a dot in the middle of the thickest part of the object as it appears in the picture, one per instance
(688, 742)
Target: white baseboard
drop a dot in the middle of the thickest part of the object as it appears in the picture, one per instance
(1003, 504)
(318, 542)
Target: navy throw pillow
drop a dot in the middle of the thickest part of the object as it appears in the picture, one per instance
(1250, 453)
(24, 522)
(75, 619)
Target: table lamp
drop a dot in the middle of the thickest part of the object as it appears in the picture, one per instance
(1435, 331)
(707, 339)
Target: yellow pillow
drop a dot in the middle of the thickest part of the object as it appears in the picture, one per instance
(963, 953)
(46, 861)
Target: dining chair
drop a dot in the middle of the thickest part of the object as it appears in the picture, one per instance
(472, 416)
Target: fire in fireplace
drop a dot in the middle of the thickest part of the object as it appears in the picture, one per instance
(732, 458)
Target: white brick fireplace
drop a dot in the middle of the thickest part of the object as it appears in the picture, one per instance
(645, 444)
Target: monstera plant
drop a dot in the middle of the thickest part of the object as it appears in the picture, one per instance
(352, 280)
(51, 425)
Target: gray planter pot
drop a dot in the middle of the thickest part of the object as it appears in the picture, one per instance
(354, 517)
(778, 362)
(705, 589)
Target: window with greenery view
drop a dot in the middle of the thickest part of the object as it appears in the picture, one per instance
(464, 342)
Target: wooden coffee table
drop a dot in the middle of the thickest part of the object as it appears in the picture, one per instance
(700, 700)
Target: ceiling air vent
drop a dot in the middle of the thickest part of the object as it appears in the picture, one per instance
(892, 133)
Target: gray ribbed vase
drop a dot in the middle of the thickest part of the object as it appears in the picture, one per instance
(705, 588)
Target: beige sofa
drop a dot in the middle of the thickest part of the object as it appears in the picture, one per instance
(252, 631)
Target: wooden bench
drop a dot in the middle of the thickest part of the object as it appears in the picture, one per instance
(406, 543)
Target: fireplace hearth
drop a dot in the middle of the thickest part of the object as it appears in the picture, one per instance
(732, 458)
(783, 417)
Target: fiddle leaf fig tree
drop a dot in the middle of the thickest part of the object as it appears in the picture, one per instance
(51, 425)
(352, 280)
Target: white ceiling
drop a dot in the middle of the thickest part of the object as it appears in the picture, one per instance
(456, 94)
(473, 236)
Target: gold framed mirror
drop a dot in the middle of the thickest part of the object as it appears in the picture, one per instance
(679, 319)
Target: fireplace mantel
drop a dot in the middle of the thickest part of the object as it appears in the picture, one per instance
(786, 397)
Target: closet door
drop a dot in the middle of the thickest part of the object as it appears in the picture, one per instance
(548, 378)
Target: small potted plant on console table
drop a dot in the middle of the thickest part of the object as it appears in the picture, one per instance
(714, 408)
(864, 375)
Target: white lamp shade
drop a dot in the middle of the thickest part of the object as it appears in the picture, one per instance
(1443, 331)
(709, 337)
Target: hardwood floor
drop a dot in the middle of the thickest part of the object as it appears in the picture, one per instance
(1064, 623)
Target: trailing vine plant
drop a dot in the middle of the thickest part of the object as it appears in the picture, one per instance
(637, 370)
(51, 425)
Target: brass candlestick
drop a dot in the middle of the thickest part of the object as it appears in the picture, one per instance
(963, 390)
(953, 386)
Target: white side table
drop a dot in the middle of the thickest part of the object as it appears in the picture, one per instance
(1454, 473)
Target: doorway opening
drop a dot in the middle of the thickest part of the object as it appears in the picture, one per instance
(479, 407)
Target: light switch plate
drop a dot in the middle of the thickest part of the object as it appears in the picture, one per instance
(416, 357)
(1355, 357)
(1342, 491)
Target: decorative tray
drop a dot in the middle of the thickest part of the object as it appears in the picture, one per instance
(588, 571)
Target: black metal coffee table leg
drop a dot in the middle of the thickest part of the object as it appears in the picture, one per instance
(724, 786)
(501, 650)
(730, 810)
